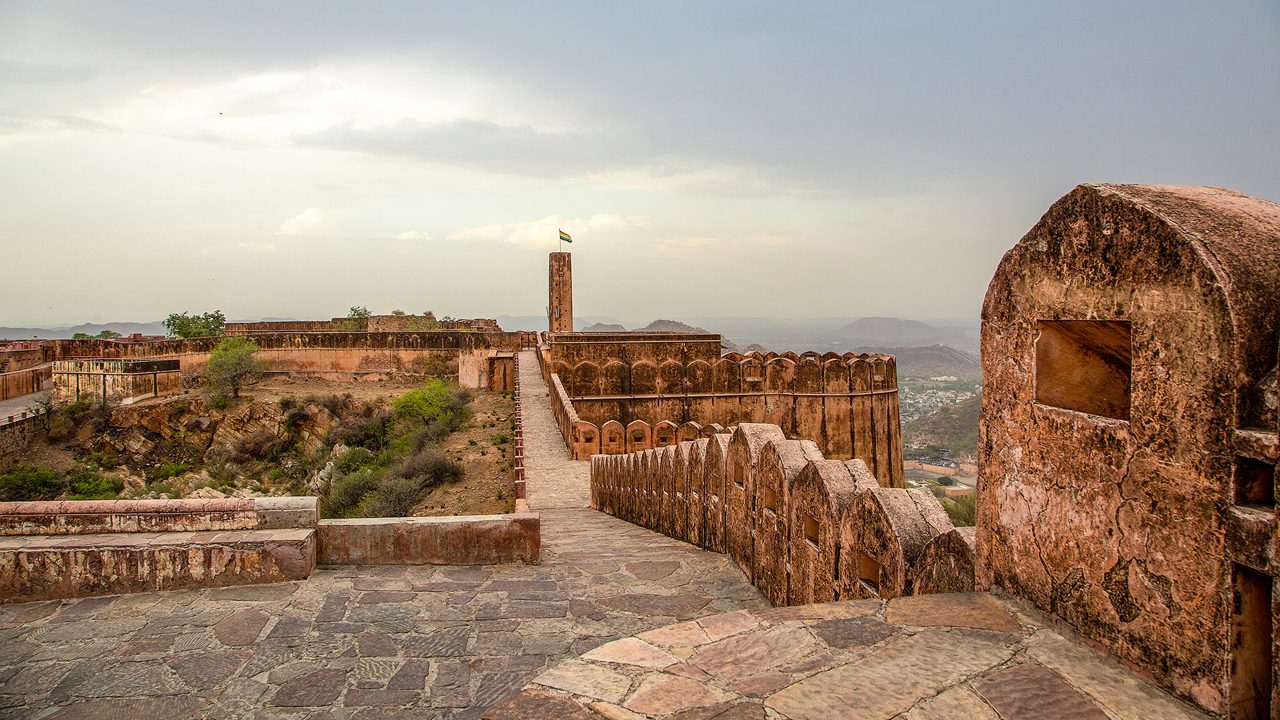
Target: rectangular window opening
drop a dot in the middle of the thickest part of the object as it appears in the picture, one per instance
(868, 571)
(811, 530)
(738, 476)
(1251, 644)
(1085, 365)
(1255, 482)
(770, 501)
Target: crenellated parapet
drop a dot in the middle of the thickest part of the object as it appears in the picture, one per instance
(803, 528)
(846, 404)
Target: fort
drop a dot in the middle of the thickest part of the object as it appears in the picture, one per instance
(731, 534)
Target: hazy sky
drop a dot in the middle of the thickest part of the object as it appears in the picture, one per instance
(709, 158)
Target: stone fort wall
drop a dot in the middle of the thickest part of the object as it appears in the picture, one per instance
(339, 355)
(846, 404)
(802, 527)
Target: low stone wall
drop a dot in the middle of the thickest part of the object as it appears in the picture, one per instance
(26, 381)
(466, 540)
(74, 548)
(53, 567)
(17, 433)
(803, 528)
(83, 517)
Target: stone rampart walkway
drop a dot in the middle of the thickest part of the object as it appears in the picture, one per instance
(370, 643)
(552, 478)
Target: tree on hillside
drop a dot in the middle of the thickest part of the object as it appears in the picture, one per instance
(210, 324)
(104, 335)
(357, 319)
(231, 365)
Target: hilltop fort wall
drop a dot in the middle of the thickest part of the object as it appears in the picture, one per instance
(633, 391)
(802, 527)
(336, 355)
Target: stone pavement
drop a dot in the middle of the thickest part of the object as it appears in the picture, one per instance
(552, 478)
(932, 657)
(370, 643)
(358, 642)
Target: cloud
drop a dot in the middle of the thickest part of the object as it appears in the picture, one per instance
(420, 235)
(543, 233)
(305, 223)
(516, 149)
(241, 248)
(684, 244)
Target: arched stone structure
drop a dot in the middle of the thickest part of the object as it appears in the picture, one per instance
(881, 536)
(1126, 342)
(613, 438)
(818, 500)
(745, 445)
(780, 462)
(946, 564)
(639, 436)
(664, 434)
(696, 492)
(680, 490)
(715, 465)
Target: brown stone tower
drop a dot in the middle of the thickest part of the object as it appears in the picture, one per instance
(560, 288)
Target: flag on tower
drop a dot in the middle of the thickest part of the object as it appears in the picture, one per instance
(564, 236)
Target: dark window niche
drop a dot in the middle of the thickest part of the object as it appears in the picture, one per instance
(1085, 365)
(1254, 482)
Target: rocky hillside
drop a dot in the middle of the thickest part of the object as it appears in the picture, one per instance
(951, 426)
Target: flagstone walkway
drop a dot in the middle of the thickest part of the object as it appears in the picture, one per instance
(370, 643)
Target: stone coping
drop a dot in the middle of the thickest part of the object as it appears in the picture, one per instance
(121, 516)
(962, 655)
(104, 541)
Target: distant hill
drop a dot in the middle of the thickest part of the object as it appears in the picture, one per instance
(932, 361)
(951, 426)
(58, 333)
(900, 332)
(672, 326)
(604, 327)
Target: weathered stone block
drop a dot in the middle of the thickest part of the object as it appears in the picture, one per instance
(820, 496)
(881, 536)
(464, 540)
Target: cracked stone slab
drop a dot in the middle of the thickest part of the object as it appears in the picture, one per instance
(892, 679)
(631, 651)
(1031, 690)
(588, 679)
(950, 704)
(660, 693)
(972, 610)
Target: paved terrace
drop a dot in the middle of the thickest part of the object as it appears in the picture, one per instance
(376, 643)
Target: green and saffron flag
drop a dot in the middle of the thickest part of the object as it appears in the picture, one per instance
(565, 237)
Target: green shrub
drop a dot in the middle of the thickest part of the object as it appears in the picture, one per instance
(366, 430)
(436, 404)
(29, 482)
(353, 460)
(428, 468)
(346, 492)
(500, 439)
(165, 488)
(231, 365)
(394, 497)
(963, 510)
(88, 485)
(167, 470)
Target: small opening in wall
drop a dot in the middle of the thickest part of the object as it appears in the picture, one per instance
(811, 530)
(1250, 644)
(868, 571)
(770, 500)
(738, 478)
(1255, 482)
(1085, 365)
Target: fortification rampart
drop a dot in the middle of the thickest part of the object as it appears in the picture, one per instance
(846, 404)
(373, 323)
(24, 382)
(339, 355)
(804, 528)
